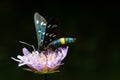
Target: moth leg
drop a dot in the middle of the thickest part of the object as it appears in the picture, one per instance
(28, 45)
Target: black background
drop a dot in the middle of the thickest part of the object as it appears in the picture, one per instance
(94, 56)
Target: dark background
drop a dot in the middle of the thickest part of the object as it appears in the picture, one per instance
(94, 56)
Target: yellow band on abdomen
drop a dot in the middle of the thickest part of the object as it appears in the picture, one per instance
(62, 40)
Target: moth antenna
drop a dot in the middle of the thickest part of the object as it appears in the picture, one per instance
(28, 45)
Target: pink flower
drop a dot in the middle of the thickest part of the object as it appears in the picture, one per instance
(42, 62)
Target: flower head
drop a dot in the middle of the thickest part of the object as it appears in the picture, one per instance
(42, 62)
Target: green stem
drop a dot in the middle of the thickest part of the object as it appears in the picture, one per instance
(45, 77)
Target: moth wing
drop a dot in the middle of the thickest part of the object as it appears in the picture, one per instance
(40, 26)
(51, 31)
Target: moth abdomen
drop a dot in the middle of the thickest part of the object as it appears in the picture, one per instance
(62, 41)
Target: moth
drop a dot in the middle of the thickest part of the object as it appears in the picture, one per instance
(46, 34)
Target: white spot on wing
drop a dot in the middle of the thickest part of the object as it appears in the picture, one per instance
(43, 33)
(41, 40)
(48, 26)
(51, 34)
(54, 26)
(42, 23)
(46, 34)
(37, 22)
(39, 31)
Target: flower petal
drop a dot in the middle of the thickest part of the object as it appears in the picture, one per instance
(44, 61)
(25, 51)
(63, 51)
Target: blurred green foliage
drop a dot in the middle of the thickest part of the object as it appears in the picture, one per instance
(94, 56)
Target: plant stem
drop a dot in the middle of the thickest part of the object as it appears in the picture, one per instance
(45, 77)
